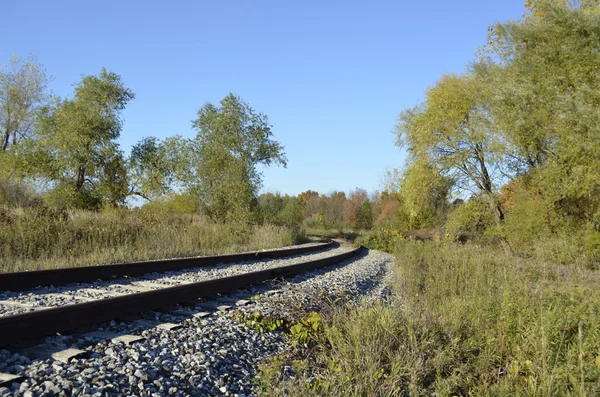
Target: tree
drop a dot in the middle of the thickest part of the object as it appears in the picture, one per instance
(334, 205)
(353, 211)
(155, 167)
(291, 214)
(544, 70)
(270, 207)
(232, 141)
(23, 85)
(364, 216)
(75, 146)
(424, 195)
(452, 132)
(23, 90)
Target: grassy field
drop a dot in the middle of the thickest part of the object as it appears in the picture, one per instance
(466, 321)
(33, 239)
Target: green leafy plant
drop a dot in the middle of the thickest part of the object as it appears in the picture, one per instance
(305, 330)
(262, 324)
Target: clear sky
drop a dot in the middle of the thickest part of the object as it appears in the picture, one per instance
(332, 76)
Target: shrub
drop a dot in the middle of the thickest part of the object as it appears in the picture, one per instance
(15, 194)
(469, 220)
(384, 237)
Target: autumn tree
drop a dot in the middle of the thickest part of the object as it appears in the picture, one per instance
(357, 209)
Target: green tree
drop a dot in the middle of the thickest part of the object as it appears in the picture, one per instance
(291, 214)
(424, 195)
(156, 168)
(76, 146)
(364, 216)
(544, 70)
(334, 206)
(451, 131)
(23, 91)
(232, 141)
(270, 205)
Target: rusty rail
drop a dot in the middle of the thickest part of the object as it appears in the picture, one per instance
(21, 281)
(28, 326)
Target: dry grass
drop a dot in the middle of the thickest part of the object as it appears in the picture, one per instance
(34, 239)
(468, 321)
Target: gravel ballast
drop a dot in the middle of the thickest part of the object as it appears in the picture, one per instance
(12, 303)
(214, 355)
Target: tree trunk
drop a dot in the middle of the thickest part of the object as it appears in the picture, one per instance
(6, 139)
(488, 188)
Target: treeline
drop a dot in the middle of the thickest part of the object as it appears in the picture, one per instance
(514, 141)
(333, 211)
(64, 151)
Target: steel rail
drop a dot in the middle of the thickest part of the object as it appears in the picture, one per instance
(21, 281)
(29, 326)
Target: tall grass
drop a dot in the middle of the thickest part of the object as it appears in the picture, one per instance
(468, 320)
(33, 238)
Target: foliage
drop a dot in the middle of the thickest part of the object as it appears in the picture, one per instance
(232, 141)
(546, 87)
(23, 89)
(424, 195)
(469, 220)
(14, 194)
(75, 143)
(472, 320)
(364, 216)
(529, 219)
(383, 237)
(154, 166)
(452, 133)
(171, 203)
(304, 331)
(262, 324)
(276, 209)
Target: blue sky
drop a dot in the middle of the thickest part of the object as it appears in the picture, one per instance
(332, 76)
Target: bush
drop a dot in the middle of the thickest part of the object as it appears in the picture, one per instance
(470, 220)
(384, 237)
(14, 194)
(65, 195)
(528, 221)
(172, 204)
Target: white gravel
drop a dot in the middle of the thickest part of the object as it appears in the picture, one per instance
(211, 356)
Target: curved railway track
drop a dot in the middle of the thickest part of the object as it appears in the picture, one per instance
(19, 328)
(21, 281)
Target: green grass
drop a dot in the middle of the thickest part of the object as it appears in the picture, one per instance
(33, 239)
(467, 320)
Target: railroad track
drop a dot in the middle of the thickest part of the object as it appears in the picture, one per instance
(200, 347)
(122, 295)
